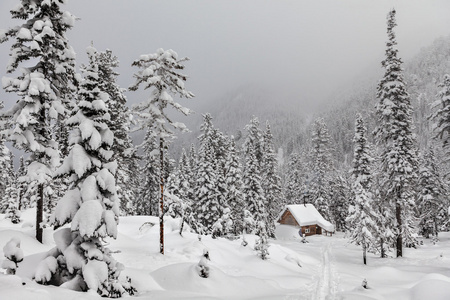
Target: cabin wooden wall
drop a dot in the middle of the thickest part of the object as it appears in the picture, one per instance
(313, 229)
(288, 219)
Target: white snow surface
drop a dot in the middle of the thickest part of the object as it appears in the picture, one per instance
(323, 268)
(307, 214)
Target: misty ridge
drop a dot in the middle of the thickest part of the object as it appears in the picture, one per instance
(291, 122)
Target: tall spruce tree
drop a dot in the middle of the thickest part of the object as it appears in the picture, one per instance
(234, 197)
(441, 115)
(206, 206)
(91, 205)
(124, 151)
(254, 138)
(159, 72)
(321, 167)
(339, 193)
(4, 174)
(254, 199)
(185, 174)
(394, 135)
(432, 201)
(271, 181)
(361, 218)
(293, 184)
(148, 195)
(46, 81)
(22, 185)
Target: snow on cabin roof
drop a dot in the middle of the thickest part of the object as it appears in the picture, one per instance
(307, 214)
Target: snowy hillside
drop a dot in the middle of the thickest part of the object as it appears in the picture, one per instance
(324, 267)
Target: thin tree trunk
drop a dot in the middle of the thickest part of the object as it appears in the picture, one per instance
(182, 225)
(399, 243)
(364, 253)
(161, 200)
(39, 212)
(19, 192)
(383, 254)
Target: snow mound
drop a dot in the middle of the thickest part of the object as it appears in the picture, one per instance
(435, 289)
(28, 244)
(170, 277)
(286, 232)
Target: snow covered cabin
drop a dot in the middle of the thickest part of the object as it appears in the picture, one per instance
(307, 218)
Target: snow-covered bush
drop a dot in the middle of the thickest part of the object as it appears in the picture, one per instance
(223, 226)
(202, 267)
(249, 226)
(217, 229)
(261, 244)
(13, 254)
(12, 212)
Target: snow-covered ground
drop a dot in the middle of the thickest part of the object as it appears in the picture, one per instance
(324, 268)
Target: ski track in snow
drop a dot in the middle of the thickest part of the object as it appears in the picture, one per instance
(327, 279)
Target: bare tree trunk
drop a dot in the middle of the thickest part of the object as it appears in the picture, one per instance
(364, 253)
(182, 225)
(39, 212)
(383, 254)
(19, 192)
(399, 243)
(161, 200)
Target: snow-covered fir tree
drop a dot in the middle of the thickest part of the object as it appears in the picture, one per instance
(11, 196)
(179, 185)
(185, 173)
(207, 208)
(361, 217)
(339, 193)
(262, 244)
(123, 148)
(441, 115)
(432, 200)
(148, 194)
(254, 138)
(384, 230)
(22, 185)
(192, 166)
(253, 192)
(394, 136)
(221, 145)
(321, 167)
(5, 174)
(271, 181)
(234, 197)
(45, 82)
(91, 206)
(12, 211)
(293, 183)
(159, 72)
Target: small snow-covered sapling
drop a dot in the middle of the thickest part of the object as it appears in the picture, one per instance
(13, 254)
(202, 267)
(364, 283)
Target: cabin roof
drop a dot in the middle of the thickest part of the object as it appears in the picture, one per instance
(307, 214)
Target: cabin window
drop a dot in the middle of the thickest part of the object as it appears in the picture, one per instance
(307, 230)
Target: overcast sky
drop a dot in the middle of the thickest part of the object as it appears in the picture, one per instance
(302, 50)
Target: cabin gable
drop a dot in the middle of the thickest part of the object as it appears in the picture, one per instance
(288, 219)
